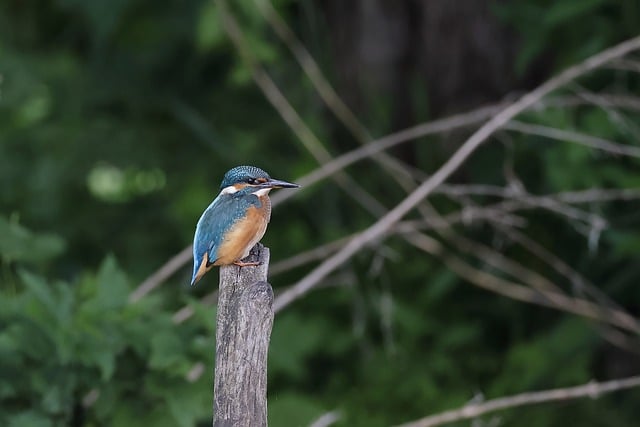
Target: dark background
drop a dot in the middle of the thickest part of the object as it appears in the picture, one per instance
(119, 118)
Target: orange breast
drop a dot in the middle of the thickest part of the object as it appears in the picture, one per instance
(244, 234)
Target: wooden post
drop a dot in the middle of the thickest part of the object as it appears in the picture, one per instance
(243, 330)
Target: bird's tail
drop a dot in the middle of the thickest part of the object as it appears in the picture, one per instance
(200, 267)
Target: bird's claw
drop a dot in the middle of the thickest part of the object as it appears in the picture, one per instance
(246, 264)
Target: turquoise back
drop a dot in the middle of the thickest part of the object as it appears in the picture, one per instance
(217, 220)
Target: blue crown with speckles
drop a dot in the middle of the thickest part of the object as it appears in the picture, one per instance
(242, 174)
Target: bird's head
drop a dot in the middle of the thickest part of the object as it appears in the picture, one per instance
(252, 180)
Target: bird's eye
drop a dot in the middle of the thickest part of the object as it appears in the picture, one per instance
(252, 181)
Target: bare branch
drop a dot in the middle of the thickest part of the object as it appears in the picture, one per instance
(187, 311)
(544, 202)
(580, 196)
(312, 70)
(290, 115)
(325, 420)
(592, 389)
(625, 65)
(379, 228)
(314, 254)
(579, 138)
(446, 124)
(519, 292)
(615, 116)
(599, 195)
(614, 100)
(553, 294)
(327, 169)
(326, 91)
(162, 274)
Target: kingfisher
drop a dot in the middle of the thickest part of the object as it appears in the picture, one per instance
(235, 221)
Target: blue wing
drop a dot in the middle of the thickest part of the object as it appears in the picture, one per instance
(216, 220)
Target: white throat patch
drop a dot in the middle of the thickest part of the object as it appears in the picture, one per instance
(262, 192)
(229, 190)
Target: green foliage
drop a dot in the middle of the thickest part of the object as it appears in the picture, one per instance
(288, 410)
(61, 342)
(542, 23)
(117, 121)
(19, 245)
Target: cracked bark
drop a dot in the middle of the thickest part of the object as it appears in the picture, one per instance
(243, 330)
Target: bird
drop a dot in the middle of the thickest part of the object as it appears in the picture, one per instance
(235, 221)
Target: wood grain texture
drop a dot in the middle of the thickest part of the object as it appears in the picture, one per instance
(243, 331)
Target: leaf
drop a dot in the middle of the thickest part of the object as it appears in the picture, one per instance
(102, 16)
(287, 410)
(166, 349)
(32, 340)
(19, 244)
(106, 361)
(562, 11)
(441, 284)
(41, 291)
(624, 242)
(526, 364)
(29, 419)
(209, 32)
(56, 398)
(288, 355)
(189, 403)
(132, 416)
(528, 53)
(112, 285)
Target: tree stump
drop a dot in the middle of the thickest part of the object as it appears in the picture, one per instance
(243, 330)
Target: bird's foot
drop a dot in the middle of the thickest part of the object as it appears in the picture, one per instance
(253, 255)
(246, 264)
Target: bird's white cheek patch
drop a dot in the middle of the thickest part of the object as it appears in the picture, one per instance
(262, 192)
(229, 190)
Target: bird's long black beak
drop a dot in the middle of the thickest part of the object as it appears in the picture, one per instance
(276, 183)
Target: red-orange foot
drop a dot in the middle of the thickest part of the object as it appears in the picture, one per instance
(246, 264)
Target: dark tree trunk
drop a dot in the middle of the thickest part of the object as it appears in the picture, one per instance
(456, 54)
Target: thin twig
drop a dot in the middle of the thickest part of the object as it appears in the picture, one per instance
(289, 114)
(550, 203)
(162, 274)
(579, 283)
(579, 196)
(187, 311)
(616, 116)
(433, 127)
(599, 195)
(625, 65)
(491, 214)
(571, 136)
(327, 93)
(622, 101)
(501, 286)
(379, 228)
(592, 389)
(314, 254)
(446, 124)
(327, 169)
(325, 420)
(488, 255)
(313, 71)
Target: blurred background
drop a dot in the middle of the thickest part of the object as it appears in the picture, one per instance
(119, 118)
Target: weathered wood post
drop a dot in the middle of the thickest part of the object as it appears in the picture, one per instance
(243, 330)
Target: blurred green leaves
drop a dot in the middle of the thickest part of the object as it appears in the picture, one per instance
(544, 23)
(111, 184)
(60, 342)
(209, 32)
(117, 122)
(19, 244)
